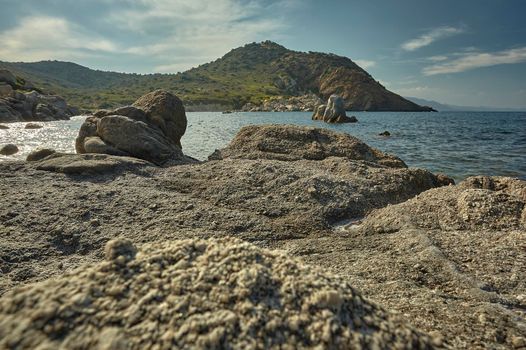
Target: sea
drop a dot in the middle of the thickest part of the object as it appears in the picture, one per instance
(459, 144)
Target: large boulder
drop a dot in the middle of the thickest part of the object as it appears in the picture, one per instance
(291, 142)
(209, 294)
(6, 90)
(34, 106)
(333, 112)
(166, 111)
(150, 130)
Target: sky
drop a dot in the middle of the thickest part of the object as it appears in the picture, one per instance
(462, 52)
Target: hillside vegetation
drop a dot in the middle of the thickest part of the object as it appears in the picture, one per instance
(251, 73)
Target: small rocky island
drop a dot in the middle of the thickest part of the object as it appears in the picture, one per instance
(21, 101)
(333, 112)
(292, 237)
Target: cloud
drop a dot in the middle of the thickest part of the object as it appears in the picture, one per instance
(41, 37)
(156, 35)
(438, 58)
(365, 64)
(474, 60)
(430, 37)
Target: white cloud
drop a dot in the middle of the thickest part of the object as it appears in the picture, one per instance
(475, 60)
(437, 58)
(41, 37)
(430, 37)
(365, 64)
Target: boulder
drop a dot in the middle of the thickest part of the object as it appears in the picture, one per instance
(34, 106)
(151, 129)
(3, 127)
(291, 142)
(333, 112)
(166, 111)
(39, 154)
(8, 149)
(8, 77)
(385, 133)
(33, 126)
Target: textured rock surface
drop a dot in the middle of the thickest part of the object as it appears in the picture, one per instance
(333, 112)
(149, 130)
(166, 111)
(202, 294)
(450, 261)
(290, 142)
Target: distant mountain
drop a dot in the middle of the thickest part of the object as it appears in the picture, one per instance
(441, 107)
(251, 73)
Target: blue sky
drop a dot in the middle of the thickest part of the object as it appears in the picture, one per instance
(464, 52)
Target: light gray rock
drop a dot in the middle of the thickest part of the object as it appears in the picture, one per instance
(333, 112)
(94, 144)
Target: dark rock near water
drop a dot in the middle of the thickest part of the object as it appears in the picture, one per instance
(3, 127)
(8, 149)
(385, 133)
(23, 102)
(151, 129)
(39, 154)
(33, 126)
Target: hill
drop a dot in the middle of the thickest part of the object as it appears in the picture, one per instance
(453, 108)
(251, 73)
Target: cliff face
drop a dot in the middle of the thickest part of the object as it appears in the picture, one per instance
(250, 74)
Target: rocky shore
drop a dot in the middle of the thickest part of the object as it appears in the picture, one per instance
(304, 103)
(21, 101)
(290, 236)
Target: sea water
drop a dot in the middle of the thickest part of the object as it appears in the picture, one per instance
(459, 144)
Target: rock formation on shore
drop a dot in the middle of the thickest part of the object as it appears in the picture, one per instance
(449, 260)
(333, 112)
(21, 101)
(216, 294)
(304, 103)
(151, 129)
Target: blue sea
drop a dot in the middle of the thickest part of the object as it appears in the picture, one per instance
(459, 144)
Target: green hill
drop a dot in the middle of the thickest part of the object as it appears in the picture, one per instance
(250, 73)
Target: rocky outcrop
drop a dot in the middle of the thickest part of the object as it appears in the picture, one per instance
(151, 129)
(304, 103)
(333, 112)
(21, 102)
(241, 296)
(290, 142)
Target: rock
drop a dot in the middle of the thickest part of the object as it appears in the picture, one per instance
(8, 149)
(94, 144)
(6, 90)
(3, 127)
(39, 154)
(137, 139)
(385, 133)
(333, 111)
(166, 111)
(306, 102)
(152, 133)
(289, 142)
(33, 126)
(241, 296)
(93, 164)
(8, 77)
(34, 106)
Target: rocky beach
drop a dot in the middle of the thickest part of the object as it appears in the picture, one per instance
(290, 236)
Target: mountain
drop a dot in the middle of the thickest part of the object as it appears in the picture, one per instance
(442, 107)
(251, 73)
